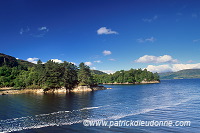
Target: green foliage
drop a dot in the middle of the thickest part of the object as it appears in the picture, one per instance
(70, 76)
(131, 76)
(97, 72)
(84, 75)
(53, 74)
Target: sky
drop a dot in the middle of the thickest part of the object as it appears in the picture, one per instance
(107, 35)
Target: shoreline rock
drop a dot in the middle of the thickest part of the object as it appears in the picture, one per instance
(149, 82)
(87, 88)
(51, 91)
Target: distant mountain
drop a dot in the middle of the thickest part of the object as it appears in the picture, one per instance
(12, 61)
(183, 74)
(8, 60)
(97, 72)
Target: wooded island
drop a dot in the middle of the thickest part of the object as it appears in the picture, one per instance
(22, 74)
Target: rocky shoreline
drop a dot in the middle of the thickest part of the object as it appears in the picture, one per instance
(6, 91)
(9, 90)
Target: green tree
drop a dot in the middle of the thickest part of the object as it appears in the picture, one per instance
(22, 79)
(156, 76)
(70, 75)
(53, 75)
(40, 73)
(84, 75)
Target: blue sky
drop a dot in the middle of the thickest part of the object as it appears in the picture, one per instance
(108, 35)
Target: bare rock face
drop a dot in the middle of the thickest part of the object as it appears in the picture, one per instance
(59, 90)
(87, 88)
(149, 82)
(81, 89)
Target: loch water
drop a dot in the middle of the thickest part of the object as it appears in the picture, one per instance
(170, 100)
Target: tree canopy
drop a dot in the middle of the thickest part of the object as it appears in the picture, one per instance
(130, 76)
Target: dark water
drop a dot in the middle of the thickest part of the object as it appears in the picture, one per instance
(175, 100)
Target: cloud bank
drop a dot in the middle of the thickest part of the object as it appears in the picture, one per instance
(57, 60)
(33, 60)
(108, 71)
(172, 67)
(156, 59)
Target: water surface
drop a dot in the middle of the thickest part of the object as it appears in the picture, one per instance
(170, 100)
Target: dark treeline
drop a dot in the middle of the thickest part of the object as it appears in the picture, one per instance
(50, 75)
(131, 76)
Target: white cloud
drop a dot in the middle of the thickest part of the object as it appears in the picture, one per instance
(107, 52)
(112, 59)
(156, 59)
(88, 63)
(159, 69)
(33, 60)
(178, 67)
(151, 39)
(57, 60)
(97, 61)
(108, 71)
(36, 32)
(41, 32)
(172, 67)
(150, 19)
(44, 28)
(104, 30)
